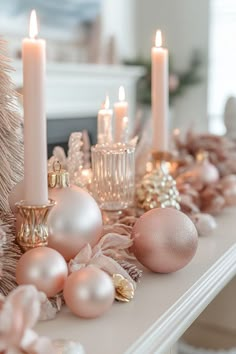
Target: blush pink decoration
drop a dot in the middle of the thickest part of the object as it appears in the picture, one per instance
(205, 223)
(74, 221)
(19, 313)
(89, 292)
(165, 240)
(105, 255)
(43, 267)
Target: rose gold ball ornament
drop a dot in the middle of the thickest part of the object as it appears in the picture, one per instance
(43, 267)
(76, 218)
(89, 292)
(228, 184)
(204, 170)
(165, 240)
(205, 223)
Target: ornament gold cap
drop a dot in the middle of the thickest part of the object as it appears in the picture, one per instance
(58, 178)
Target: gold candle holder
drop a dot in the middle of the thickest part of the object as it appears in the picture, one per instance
(33, 231)
(159, 157)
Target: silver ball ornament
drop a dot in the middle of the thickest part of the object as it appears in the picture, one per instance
(74, 221)
(89, 292)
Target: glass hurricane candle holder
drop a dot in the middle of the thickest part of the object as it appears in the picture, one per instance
(113, 178)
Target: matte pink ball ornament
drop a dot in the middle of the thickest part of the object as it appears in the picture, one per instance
(89, 292)
(204, 170)
(74, 221)
(165, 240)
(43, 267)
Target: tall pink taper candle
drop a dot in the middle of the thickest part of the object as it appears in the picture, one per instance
(121, 114)
(104, 135)
(35, 137)
(160, 95)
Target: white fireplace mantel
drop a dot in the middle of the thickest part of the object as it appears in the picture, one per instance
(165, 305)
(77, 90)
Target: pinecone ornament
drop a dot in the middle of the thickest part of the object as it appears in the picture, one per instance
(157, 190)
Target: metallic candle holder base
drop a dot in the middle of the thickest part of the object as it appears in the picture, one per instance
(33, 230)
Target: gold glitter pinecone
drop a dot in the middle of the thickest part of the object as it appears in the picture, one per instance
(157, 189)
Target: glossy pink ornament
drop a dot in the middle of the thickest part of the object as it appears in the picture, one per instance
(89, 292)
(43, 267)
(165, 240)
(75, 221)
(205, 223)
(229, 194)
(204, 170)
(208, 172)
(228, 181)
(228, 184)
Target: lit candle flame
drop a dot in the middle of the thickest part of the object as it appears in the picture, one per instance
(107, 102)
(125, 122)
(33, 28)
(158, 41)
(121, 93)
(176, 132)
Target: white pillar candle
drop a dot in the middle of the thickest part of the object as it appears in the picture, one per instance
(160, 95)
(121, 114)
(35, 138)
(104, 135)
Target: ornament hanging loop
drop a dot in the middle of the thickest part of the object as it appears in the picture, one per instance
(56, 166)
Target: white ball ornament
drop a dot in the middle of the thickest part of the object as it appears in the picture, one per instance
(75, 220)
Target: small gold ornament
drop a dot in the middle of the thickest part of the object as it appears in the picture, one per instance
(124, 289)
(157, 189)
(58, 178)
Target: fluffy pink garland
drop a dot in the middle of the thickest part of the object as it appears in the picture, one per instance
(19, 313)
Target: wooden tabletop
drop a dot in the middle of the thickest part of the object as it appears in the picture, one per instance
(164, 305)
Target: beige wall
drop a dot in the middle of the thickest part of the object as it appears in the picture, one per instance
(185, 24)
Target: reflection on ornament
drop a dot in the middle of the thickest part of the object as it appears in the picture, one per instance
(43, 267)
(165, 240)
(157, 189)
(89, 292)
(124, 290)
(202, 172)
(205, 223)
(68, 347)
(85, 179)
(76, 220)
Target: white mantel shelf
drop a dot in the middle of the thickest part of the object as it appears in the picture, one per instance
(164, 305)
(77, 90)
